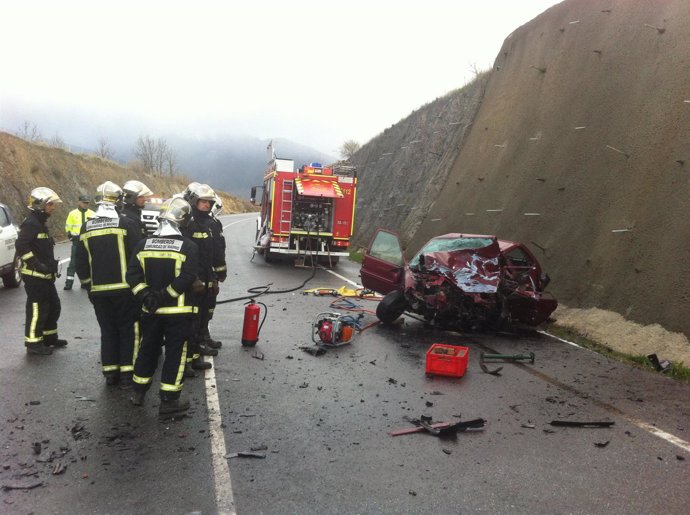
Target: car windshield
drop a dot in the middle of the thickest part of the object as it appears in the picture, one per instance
(450, 244)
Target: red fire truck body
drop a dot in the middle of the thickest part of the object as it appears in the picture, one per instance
(308, 212)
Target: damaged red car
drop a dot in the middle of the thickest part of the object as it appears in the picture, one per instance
(458, 281)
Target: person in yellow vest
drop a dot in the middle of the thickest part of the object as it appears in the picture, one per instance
(75, 220)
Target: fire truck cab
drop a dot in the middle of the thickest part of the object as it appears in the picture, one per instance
(306, 213)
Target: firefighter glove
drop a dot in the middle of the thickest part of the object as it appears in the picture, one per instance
(198, 287)
(222, 276)
(215, 289)
(151, 300)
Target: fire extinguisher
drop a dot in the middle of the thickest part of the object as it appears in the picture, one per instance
(251, 327)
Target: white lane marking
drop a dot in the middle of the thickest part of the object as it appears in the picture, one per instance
(655, 431)
(343, 278)
(239, 221)
(225, 501)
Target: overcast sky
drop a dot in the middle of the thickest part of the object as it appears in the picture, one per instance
(316, 72)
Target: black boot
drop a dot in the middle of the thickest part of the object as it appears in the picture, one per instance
(200, 364)
(38, 348)
(210, 342)
(137, 398)
(189, 371)
(111, 379)
(126, 382)
(205, 350)
(172, 406)
(68, 284)
(56, 343)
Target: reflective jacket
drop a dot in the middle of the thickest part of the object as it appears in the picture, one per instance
(167, 265)
(75, 219)
(219, 265)
(200, 231)
(134, 214)
(35, 247)
(105, 246)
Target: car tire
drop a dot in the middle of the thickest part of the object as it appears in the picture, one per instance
(14, 278)
(391, 307)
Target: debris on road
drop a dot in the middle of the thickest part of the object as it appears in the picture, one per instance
(247, 454)
(424, 423)
(22, 487)
(258, 355)
(660, 366)
(572, 423)
(58, 468)
(601, 445)
(446, 360)
(314, 351)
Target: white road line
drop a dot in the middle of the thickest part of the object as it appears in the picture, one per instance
(672, 439)
(343, 278)
(225, 501)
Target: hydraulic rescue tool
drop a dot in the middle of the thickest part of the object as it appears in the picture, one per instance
(486, 357)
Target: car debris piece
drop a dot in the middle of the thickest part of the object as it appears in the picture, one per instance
(476, 423)
(489, 357)
(572, 423)
(258, 355)
(660, 366)
(22, 487)
(58, 468)
(485, 369)
(601, 445)
(36, 447)
(245, 454)
(313, 350)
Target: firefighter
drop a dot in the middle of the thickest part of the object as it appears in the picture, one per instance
(161, 274)
(75, 220)
(219, 267)
(106, 243)
(201, 198)
(39, 269)
(135, 194)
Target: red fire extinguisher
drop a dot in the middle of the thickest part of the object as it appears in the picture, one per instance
(251, 326)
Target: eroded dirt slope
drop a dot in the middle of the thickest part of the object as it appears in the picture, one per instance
(580, 146)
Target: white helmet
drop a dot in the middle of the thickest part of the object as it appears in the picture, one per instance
(217, 206)
(108, 192)
(176, 210)
(200, 192)
(39, 197)
(134, 189)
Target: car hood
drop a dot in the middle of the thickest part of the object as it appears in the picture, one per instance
(472, 270)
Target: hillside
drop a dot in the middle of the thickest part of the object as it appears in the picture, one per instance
(24, 166)
(583, 123)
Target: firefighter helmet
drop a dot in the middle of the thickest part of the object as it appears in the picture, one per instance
(217, 206)
(188, 190)
(108, 192)
(133, 190)
(200, 192)
(40, 197)
(176, 210)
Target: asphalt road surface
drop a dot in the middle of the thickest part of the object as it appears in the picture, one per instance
(69, 444)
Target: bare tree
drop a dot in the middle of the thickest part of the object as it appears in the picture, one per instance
(57, 141)
(349, 149)
(29, 132)
(104, 150)
(170, 161)
(155, 155)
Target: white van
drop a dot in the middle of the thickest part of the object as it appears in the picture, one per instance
(9, 266)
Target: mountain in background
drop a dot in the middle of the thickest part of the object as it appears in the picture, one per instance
(229, 162)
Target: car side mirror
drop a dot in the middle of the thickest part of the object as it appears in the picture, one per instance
(545, 280)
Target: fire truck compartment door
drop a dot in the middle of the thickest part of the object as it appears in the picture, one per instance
(318, 188)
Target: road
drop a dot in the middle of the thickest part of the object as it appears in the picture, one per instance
(322, 422)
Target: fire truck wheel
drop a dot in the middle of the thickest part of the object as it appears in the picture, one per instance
(391, 307)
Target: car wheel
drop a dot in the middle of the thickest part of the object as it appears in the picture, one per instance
(391, 307)
(14, 278)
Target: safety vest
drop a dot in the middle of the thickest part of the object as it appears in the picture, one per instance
(75, 219)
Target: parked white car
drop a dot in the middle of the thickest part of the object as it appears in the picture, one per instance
(150, 213)
(9, 266)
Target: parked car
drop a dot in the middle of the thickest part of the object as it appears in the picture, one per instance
(9, 266)
(150, 212)
(458, 281)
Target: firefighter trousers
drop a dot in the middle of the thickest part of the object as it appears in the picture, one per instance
(171, 332)
(117, 317)
(42, 311)
(200, 323)
(73, 259)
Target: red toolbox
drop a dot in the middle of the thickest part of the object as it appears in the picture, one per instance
(447, 360)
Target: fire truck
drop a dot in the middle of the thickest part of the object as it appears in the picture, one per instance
(306, 213)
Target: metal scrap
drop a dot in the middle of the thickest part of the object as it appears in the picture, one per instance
(572, 423)
(258, 455)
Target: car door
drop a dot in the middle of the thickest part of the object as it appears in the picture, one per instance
(8, 235)
(383, 265)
